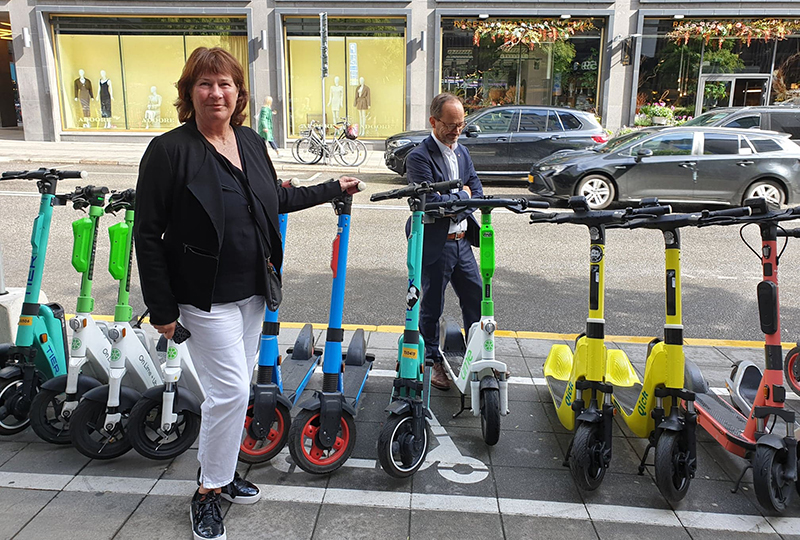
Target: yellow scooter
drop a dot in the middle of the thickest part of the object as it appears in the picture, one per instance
(570, 377)
(653, 409)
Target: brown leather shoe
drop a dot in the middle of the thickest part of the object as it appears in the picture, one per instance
(439, 379)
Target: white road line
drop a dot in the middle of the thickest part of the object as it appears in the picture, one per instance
(420, 501)
(21, 194)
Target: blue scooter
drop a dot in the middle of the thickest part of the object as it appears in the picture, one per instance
(323, 434)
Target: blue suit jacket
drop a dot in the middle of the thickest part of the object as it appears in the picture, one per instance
(426, 164)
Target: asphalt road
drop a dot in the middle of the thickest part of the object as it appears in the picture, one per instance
(541, 282)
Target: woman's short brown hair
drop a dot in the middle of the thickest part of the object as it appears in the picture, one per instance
(217, 61)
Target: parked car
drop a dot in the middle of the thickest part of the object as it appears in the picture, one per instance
(678, 164)
(504, 141)
(781, 118)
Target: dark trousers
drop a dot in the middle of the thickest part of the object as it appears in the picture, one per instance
(457, 266)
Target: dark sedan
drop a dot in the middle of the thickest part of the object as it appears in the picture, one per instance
(504, 141)
(681, 164)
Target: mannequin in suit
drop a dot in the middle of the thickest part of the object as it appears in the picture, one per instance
(362, 103)
(83, 94)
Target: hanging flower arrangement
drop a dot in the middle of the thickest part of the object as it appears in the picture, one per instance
(746, 31)
(528, 32)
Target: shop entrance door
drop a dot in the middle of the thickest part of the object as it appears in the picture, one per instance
(732, 91)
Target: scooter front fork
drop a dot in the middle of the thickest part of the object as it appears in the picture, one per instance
(73, 372)
(418, 427)
(330, 417)
(113, 414)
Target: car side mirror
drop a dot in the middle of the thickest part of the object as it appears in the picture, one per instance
(643, 153)
(472, 130)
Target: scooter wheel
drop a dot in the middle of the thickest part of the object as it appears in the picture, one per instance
(46, 418)
(89, 435)
(398, 454)
(306, 449)
(773, 491)
(672, 469)
(490, 415)
(14, 406)
(146, 437)
(791, 370)
(586, 458)
(254, 450)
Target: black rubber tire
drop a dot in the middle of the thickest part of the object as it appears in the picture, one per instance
(598, 190)
(791, 370)
(772, 492)
(671, 476)
(46, 419)
(145, 420)
(88, 439)
(585, 461)
(304, 430)
(399, 426)
(767, 189)
(262, 450)
(490, 415)
(9, 397)
(307, 151)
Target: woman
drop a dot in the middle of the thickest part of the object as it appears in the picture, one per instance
(265, 124)
(208, 244)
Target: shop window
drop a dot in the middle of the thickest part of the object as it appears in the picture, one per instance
(366, 81)
(561, 73)
(121, 73)
(786, 74)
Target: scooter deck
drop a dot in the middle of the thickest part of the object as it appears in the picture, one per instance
(353, 381)
(557, 388)
(722, 414)
(294, 371)
(627, 397)
(455, 360)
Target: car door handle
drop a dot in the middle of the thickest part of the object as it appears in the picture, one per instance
(502, 139)
(688, 164)
(744, 163)
(555, 137)
(620, 166)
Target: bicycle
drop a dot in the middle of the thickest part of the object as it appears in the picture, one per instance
(344, 147)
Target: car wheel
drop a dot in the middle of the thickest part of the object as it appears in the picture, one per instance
(598, 190)
(766, 189)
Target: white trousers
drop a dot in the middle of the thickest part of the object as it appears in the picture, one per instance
(224, 347)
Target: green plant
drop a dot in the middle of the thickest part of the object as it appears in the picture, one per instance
(642, 120)
(716, 90)
(656, 109)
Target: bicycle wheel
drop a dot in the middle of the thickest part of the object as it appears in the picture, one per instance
(345, 152)
(307, 151)
(362, 152)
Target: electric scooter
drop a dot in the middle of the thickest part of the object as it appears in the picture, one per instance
(403, 440)
(99, 423)
(661, 409)
(323, 433)
(88, 364)
(473, 367)
(773, 458)
(40, 350)
(570, 377)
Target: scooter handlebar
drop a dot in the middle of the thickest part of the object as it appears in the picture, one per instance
(42, 173)
(416, 189)
(181, 334)
(120, 200)
(517, 205)
(291, 182)
(87, 196)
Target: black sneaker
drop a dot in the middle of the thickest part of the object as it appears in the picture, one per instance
(207, 517)
(240, 491)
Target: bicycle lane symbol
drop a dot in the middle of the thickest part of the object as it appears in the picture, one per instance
(448, 459)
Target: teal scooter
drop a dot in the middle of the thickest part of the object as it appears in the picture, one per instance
(40, 350)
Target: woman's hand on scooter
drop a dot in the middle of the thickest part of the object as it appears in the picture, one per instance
(166, 330)
(351, 185)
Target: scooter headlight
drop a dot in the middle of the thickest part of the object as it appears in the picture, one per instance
(74, 323)
(489, 327)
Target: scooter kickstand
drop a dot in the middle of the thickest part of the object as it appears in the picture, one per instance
(741, 476)
(463, 407)
(642, 464)
(565, 463)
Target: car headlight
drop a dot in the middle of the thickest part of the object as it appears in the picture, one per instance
(552, 169)
(397, 143)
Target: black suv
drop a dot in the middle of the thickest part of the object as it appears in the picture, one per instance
(506, 140)
(780, 118)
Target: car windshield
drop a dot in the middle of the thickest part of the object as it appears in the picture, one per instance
(706, 119)
(617, 142)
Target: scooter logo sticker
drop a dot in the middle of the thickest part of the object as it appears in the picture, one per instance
(412, 297)
(25, 321)
(409, 353)
(172, 353)
(488, 345)
(115, 354)
(76, 344)
(595, 254)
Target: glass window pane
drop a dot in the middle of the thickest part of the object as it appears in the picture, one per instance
(553, 123)
(745, 122)
(674, 144)
(786, 76)
(495, 121)
(569, 121)
(763, 144)
(786, 122)
(720, 144)
(535, 120)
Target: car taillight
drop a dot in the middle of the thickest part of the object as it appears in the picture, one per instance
(599, 139)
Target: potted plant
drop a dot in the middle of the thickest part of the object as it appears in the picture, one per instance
(659, 113)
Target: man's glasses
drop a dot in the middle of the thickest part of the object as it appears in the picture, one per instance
(451, 127)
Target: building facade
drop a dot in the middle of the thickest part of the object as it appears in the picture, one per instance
(106, 70)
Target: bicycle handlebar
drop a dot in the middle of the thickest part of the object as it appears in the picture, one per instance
(416, 189)
(42, 174)
(121, 200)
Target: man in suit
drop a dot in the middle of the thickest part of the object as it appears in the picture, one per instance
(447, 249)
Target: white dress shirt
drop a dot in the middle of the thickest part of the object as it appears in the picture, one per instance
(451, 160)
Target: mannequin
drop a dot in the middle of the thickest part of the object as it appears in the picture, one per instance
(336, 99)
(152, 116)
(362, 103)
(105, 96)
(84, 94)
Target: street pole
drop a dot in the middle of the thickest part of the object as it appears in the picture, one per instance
(2, 278)
(323, 35)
